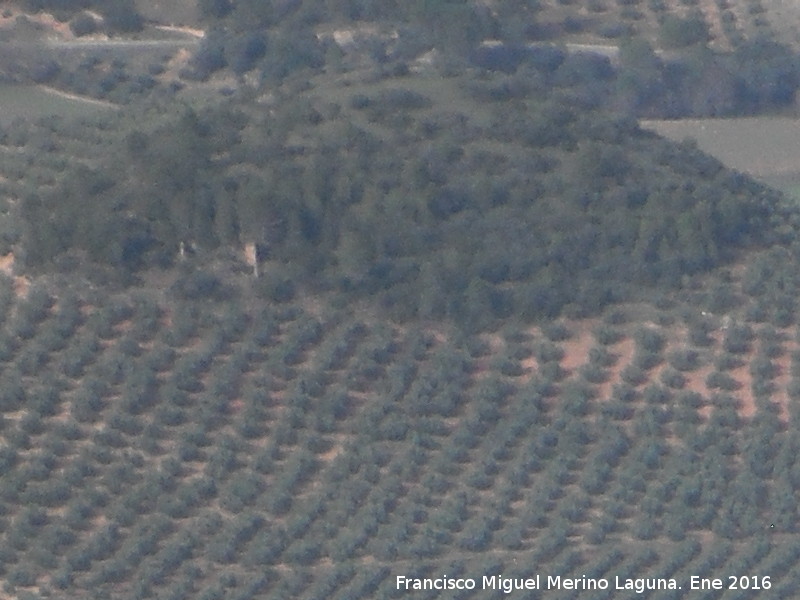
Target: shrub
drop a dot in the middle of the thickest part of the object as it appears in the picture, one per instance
(650, 340)
(657, 395)
(772, 349)
(601, 357)
(784, 317)
(645, 360)
(12, 393)
(17, 438)
(673, 378)
(763, 390)
(22, 576)
(102, 325)
(722, 381)
(8, 347)
(508, 367)
(8, 458)
(402, 99)
(160, 358)
(125, 423)
(22, 327)
(576, 398)
(616, 317)
(51, 494)
(78, 356)
(680, 33)
(78, 515)
(574, 24)
(617, 29)
(242, 491)
(556, 331)
(756, 312)
(121, 15)
(684, 359)
(633, 375)
(170, 416)
(546, 352)
(594, 373)
(762, 368)
(188, 371)
(699, 333)
(32, 424)
(201, 285)
(45, 400)
(37, 304)
(63, 578)
(83, 24)
(31, 360)
(280, 502)
(216, 9)
(108, 438)
(631, 14)
(624, 392)
(243, 52)
(727, 362)
(617, 410)
(87, 405)
(737, 339)
(277, 288)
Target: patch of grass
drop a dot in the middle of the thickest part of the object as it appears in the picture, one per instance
(33, 102)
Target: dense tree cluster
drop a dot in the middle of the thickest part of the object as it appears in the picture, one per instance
(533, 202)
(688, 80)
(758, 76)
(119, 15)
(274, 39)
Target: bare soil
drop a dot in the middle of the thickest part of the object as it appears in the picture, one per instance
(21, 283)
(576, 349)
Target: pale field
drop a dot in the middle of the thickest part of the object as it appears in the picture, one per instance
(759, 146)
(32, 102)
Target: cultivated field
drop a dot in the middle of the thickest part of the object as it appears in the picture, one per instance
(193, 434)
(153, 446)
(767, 148)
(728, 22)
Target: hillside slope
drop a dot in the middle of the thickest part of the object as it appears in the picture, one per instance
(157, 447)
(472, 198)
(498, 329)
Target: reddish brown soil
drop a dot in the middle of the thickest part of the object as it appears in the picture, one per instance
(21, 283)
(623, 350)
(747, 403)
(529, 365)
(576, 348)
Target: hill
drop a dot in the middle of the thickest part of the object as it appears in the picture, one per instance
(177, 428)
(410, 306)
(472, 198)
